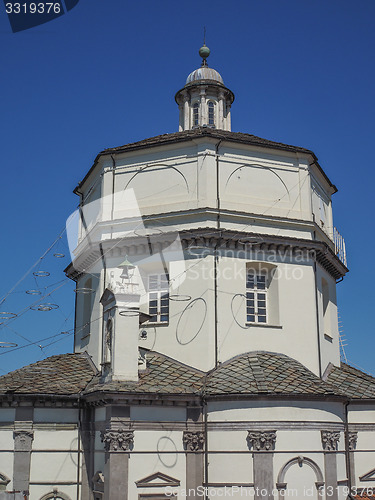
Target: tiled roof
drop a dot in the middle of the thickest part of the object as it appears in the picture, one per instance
(163, 375)
(254, 373)
(247, 374)
(352, 382)
(64, 374)
(264, 372)
(364, 495)
(187, 135)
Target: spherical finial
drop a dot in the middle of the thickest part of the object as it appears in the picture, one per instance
(204, 51)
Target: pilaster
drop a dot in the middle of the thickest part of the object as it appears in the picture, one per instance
(23, 436)
(262, 443)
(330, 442)
(194, 445)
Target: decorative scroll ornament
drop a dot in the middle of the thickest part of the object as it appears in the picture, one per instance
(330, 440)
(352, 440)
(193, 441)
(117, 439)
(262, 440)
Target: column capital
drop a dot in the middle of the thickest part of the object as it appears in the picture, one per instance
(330, 440)
(117, 439)
(193, 441)
(262, 440)
(23, 439)
(352, 440)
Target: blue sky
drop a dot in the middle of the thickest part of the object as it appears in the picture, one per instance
(105, 74)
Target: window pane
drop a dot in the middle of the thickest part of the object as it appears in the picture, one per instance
(250, 319)
(262, 319)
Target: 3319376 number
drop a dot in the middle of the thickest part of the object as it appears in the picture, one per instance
(33, 8)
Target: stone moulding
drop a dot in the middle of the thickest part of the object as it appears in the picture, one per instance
(117, 440)
(193, 441)
(330, 440)
(261, 440)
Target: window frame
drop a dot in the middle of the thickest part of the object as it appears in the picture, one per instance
(160, 295)
(195, 114)
(257, 297)
(211, 111)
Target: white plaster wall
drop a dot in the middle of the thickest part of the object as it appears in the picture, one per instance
(55, 439)
(54, 466)
(275, 411)
(233, 468)
(361, 413)
(6, 439)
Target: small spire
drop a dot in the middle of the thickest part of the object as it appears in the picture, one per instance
(204, 51)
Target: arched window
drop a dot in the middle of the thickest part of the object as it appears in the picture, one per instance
(55, 495)
(211, 113)
(196, 113)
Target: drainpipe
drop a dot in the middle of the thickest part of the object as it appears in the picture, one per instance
(317, 318)
(79, 472)
(347, 450)
(216, 256)
(204, 402)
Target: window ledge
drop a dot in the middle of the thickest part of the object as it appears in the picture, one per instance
(264, 325)
(144, 325)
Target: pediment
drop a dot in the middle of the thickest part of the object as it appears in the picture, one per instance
(369, 476)
(157, 479)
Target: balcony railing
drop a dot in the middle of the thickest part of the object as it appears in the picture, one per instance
(339, 246)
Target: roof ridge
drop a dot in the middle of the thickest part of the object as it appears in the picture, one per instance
(258, 373)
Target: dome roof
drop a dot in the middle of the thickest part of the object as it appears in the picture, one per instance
(204, 73)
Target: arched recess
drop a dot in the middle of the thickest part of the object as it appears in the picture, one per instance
(55, 495)
(281, 484)
(172, 182)
(257, 180)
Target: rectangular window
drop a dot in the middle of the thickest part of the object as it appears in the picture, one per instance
(256, 298)
(158, 298)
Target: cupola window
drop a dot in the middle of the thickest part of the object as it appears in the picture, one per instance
(196, 113)
(211, 113)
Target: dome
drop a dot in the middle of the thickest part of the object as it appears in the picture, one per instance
(204, 73)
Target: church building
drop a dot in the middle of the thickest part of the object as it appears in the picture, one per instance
(206, 350)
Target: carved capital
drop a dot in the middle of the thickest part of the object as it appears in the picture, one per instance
(330, 440)
(193, 441)
(23, 440)
(262, 440)
(352, 440)
(117, 439)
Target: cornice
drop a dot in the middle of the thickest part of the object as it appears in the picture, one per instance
(227, 239)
